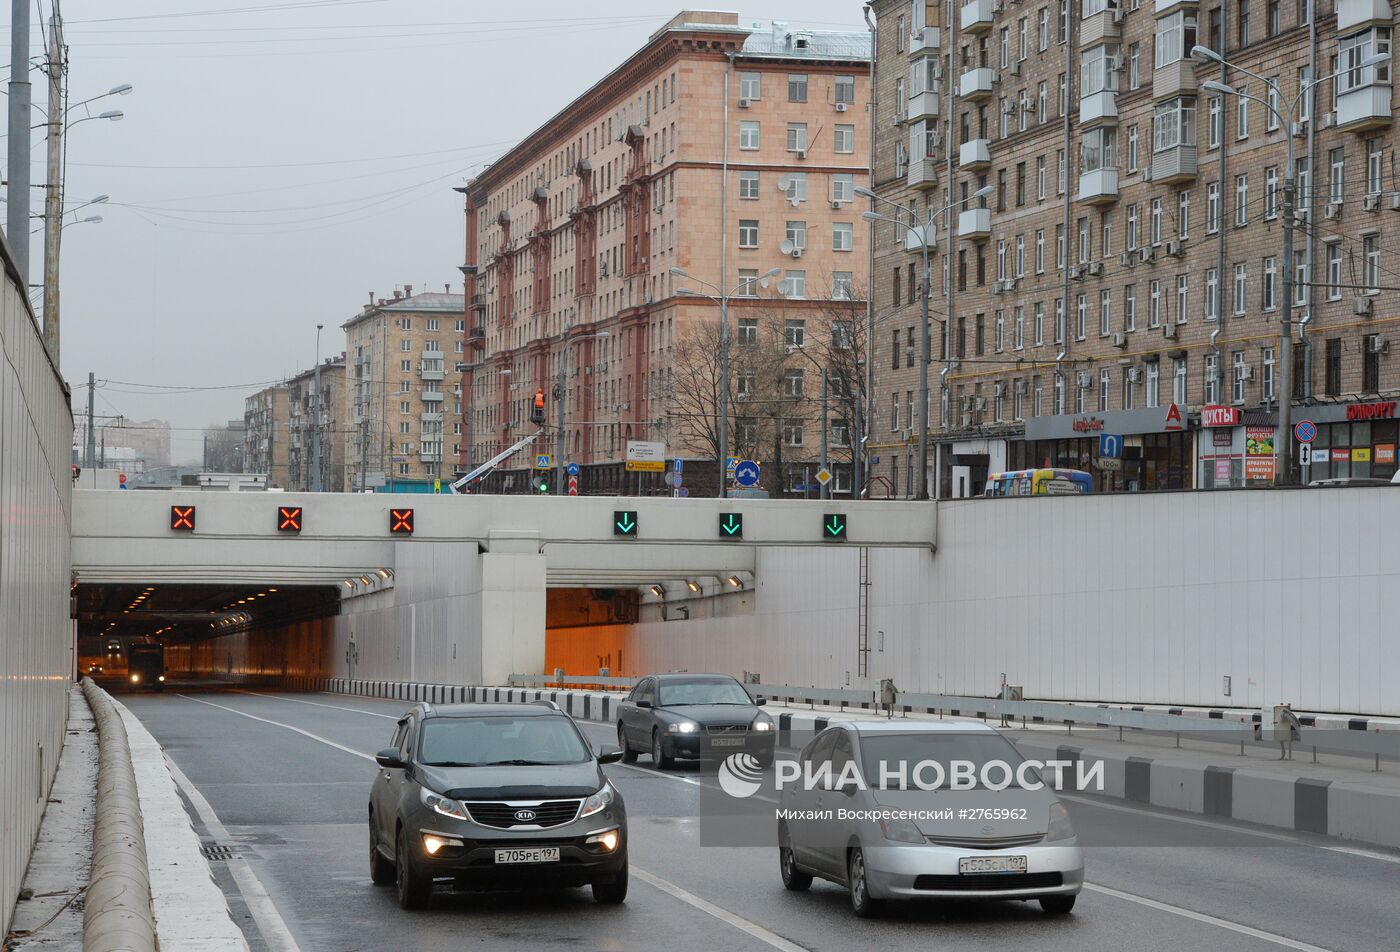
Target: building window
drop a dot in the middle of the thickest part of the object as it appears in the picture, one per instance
(1040, 251)
(1242, 33)
(1238, 377)
(1130, 308)
(1183, 287)
(1371, 250)
(1156, 222)
(1212, 208)
(797, 234)
(1039, 322)
(1268, 299)
(1174, 124)
(793, 383)
(1176, 35)
(1105, 385)
(1271, 98)
(1179, 380)
(1370, 364)
(1000, 331)
(748, 184)
(748, 283)
(748, 134)
(797, 87)
(1241, 287)
(1081, 317)
(792, 432)
(1242, 114)
(797, 137)
(1183, 214)
(846, 89)
(750, 85)
(845, 141)
(1020, 328)
(1132, 149)
(1040, 178)
(748, 233)
(843, 188)
(842, 285)
(1334, 271)
(1211, 380)
(1154, 303)
(1150, 390)
(1241, 200)
(1271, 192)
(1132, 237)
(1373, 166)
(1353, 50)
(1212, 294)
(842, 236)
(1267, 355)
(1215, 124)
(1105, 313)
(1332, 385)
(795, 332)
(1135, 66)
(795, 284)
(1128, 374)
(1336, 183)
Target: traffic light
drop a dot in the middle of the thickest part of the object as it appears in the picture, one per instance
(542, 484)
(834, 527)
(537, 412)
(182, 518)
(624, 522)
(731, 525)
(401, 521)
(288, 518)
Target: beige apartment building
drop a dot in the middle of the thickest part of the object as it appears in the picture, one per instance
(726, 151)
(401, 405)
(1125, 276)
(304, 429)
(266, 440)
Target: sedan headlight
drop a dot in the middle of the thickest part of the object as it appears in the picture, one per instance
(443, 805)
(900, 830)
(763, 723)
(1060, 826)
(682, 727)
(598, 802)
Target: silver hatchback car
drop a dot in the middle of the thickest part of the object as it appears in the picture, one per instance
(912, 810)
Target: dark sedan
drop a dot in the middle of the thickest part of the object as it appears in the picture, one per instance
(685, 716)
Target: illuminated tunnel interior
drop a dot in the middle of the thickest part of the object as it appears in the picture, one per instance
(205, 632)
(584, 628)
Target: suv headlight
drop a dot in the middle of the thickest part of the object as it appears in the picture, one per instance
(763, 723)
(598, 802)
(900, 830)
(682, 727)
(441, 804)
(1060, 826)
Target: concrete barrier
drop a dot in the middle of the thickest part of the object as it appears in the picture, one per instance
(117, 909)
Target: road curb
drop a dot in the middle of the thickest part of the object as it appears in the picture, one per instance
(1347, 810)
(117, 912)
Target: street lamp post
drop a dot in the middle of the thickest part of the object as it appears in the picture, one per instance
(1284, 437)
(316, 486)
(559, 400)
(723, 301)
(925, 357)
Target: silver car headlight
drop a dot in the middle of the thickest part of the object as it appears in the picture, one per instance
(443, 805)
(900, 830)
(682, 727)
(763, 723)
(1060, 826)
(598, 802)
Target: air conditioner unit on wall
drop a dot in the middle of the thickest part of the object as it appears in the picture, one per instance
(1361, 306)
(1169, 331)
(744, 103)
(1379, 345)
(1371, 202)
(841, 107)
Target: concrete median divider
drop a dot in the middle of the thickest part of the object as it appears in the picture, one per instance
(1298, 797)
(117, 915)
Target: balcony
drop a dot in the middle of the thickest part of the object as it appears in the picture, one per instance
(975, 223)
(977, 16)
(478, 338)
(1098, 109)
(975, 154)
(929, 38)
(914, 238)
(479, 301)
(923, 105)
(923, 173)
(1163, 7)
(430, 416)
(1098, 187)
(1102, 27)
(427, 371)
(431, 396)
(1364, 107)
(1352, 15)
(430, 455)
(1174, 79)
(1177, 164)
(976, 84)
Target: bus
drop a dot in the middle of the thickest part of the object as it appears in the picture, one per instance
(1039, 482)
(145, 666)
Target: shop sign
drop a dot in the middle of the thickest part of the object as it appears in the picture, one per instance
(1258, 467)
(1384, 410)
(1222, 469)
(1222, 438)
(1362, 454)
(1087, 424)
(1259, 441)
(1173, 418)
(1341, 456)
(1214, 415)
(1320, 456)
(1385, 454)
(1068, 426)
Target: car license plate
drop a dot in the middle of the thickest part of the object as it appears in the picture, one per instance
(545, 854)
(727, 741)
(992, 864)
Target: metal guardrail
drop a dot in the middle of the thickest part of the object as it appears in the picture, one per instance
(1063, 713)
(590, 680)
(810, 695)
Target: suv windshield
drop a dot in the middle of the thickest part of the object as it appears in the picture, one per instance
(507, 739)
(900, 754)
(703, 692)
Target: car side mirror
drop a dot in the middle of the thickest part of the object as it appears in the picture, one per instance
(609, 754)
(389, 759)
(644, 703)
(760, 701)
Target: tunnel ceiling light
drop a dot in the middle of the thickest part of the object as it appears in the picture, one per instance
(385, 573)
(349, 584)
(364, 579)
(659, 591)
(693, 586)
(735, 581)
(272, 589)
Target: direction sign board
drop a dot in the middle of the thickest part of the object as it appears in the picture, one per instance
(834, 527)
(746, 473)
(646, 456)
(572, 469)
(676, 464)
(624, 522)
(1110, 446)
(1305, 431)
(823, 475)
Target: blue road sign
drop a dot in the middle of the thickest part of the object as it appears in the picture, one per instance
(676, 464)
(682, 492)
(746, 473)
(1110, 446)
(730, 463)
(1305, 431)
(571, 469)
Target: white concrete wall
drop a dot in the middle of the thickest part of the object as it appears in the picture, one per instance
(1135, 598)
(36, 432)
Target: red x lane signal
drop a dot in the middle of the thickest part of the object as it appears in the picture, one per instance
(401, 521)
(182, 518)
(288, 518)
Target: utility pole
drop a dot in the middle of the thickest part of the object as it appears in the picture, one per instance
(17, 214)
(826, 490)
(316, 485)
(53, 198)
(90, 457)
(559, 401)
(1283, 436)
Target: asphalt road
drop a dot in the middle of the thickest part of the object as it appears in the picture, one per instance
(283, 780)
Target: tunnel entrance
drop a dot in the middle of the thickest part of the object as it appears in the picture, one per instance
(585, 627)
(227, 633)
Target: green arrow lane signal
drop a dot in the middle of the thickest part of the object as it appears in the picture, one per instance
(834, 526)
(731, 525)
(624, 523)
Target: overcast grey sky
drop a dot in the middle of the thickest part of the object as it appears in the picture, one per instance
(277, 164)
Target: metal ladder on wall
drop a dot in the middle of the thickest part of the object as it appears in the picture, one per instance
(863, 616)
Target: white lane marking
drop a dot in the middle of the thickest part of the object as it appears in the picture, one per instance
(723, 915)
(334, 707)
(316, 737)
(270, 923)
(1229, 828)
(1208, 920)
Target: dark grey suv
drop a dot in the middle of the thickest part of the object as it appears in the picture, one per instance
(495, 796)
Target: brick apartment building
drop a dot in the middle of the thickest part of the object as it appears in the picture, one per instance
(399, 395)
(1125, 276)
(265, 437)
(302, 426)
(722, 150)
